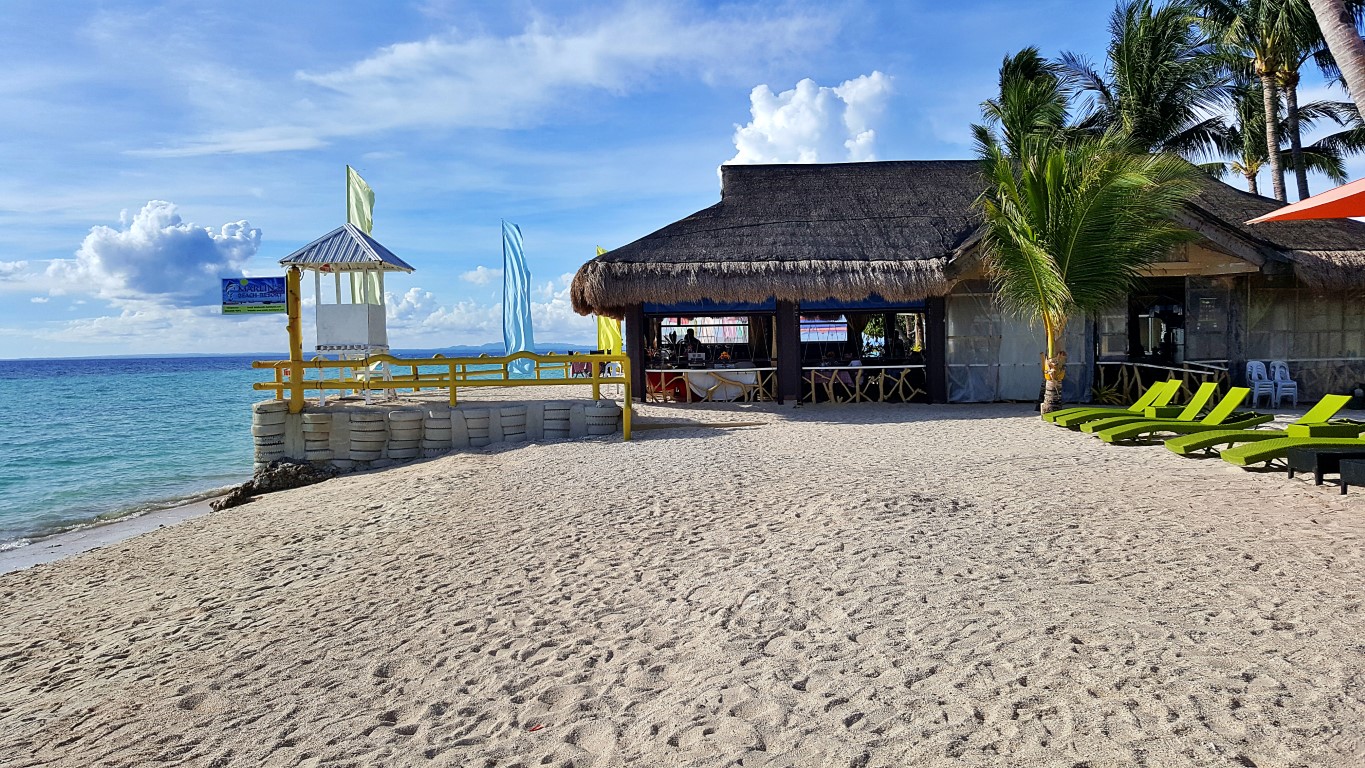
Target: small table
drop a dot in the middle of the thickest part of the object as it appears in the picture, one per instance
(1320, 461)
(1352, 473)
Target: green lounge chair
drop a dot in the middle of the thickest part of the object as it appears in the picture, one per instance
(1191, 411)
(1221, 417)
(1142, 402)
(1312, 424)
(1160, 394)
(1269, 450)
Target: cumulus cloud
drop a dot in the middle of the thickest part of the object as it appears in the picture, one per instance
(482, 275)
(417, 318)
(157, 255)
(38, 300)
(459, 79)
(12, 268)
(812, 123)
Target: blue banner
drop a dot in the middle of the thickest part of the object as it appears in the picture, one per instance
(516, 300)
(253, 295)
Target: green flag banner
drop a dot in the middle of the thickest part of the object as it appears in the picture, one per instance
(359, 201)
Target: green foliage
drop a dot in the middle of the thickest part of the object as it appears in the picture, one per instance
(1162, 81)
(1106, 395)
(1070, 223)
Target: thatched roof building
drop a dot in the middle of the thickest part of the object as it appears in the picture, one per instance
(902, 230)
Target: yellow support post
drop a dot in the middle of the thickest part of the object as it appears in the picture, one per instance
(293, 301)
(625, 413)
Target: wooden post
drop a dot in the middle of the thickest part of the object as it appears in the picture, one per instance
(788, 351)
(936, 357)
(633, 337)
(292, 304)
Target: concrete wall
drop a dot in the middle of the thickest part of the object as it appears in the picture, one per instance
(363, 437)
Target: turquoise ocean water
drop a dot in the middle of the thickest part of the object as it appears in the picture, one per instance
(96, 439)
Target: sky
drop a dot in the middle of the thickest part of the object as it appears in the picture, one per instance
(148, 149)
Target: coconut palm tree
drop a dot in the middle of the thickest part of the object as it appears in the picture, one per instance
(1244, 139)
(1163, 81)
(1340, 28)
(1265, 33)
(1071, 217)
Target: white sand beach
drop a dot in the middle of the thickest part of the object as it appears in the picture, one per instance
(838, 586)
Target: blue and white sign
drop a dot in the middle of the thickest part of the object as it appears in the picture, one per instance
(254, 295)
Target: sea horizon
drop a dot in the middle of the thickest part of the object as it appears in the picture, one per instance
(174, 429)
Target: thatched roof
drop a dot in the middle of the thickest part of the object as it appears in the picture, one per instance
(849, 230)
(1328, 254)
(793, 232)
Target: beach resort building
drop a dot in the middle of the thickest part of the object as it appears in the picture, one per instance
(864, 281)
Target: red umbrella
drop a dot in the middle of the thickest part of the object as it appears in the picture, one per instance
(1343, 202)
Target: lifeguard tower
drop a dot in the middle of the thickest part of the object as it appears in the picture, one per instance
(353, 325)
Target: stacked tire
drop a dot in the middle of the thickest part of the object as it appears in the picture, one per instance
(267, 430)
(405, 434)
(368, 435)
(513, 418)
(602, 419)
(557, 421)
(436, 433)
(317, 437)
(479, 430)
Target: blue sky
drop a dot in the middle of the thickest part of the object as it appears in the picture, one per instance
(151, 147)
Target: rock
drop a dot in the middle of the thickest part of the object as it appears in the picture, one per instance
(280, 475)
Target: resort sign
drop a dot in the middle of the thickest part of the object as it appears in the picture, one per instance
(253, 295)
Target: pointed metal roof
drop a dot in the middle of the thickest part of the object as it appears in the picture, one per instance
(346, 247)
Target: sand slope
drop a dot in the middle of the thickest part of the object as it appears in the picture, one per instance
(842, 586)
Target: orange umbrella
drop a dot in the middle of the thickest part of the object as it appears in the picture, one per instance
(1343, 202)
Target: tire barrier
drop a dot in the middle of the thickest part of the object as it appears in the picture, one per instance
(355, 437)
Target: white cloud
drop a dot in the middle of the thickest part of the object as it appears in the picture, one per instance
(156, 255)
(461, 80)
(418, 319)
(152, 327)
(482, 275)
(12, 268)
(813, 123)
(39, 300)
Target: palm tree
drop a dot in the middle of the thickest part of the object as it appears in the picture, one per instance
(1265, 33)
(1162, 83)
(1244, 139)
(1305, 43)
(1071, 217)
(1340, 28)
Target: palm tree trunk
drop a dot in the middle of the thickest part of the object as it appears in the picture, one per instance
(1291, 102)
(1271, 98)
(1343, 40)
(1054, 367)
(1251, 183)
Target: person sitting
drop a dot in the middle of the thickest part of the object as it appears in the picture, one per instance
(690, 342)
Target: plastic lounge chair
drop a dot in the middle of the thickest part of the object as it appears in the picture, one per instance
(1142, 402)
(1312, 424)
(1221, 416)
(1284, 386)
(1161, 394)
(1270, 450)
(1191, 411)
(1260, 383)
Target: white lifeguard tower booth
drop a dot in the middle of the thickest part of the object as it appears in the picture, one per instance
(353, 324)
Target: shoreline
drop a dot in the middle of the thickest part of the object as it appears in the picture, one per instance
(60, 546)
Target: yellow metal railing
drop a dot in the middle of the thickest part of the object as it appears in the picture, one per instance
(548, 370)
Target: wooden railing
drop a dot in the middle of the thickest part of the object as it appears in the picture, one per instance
(690, 385)
(864, 383)
(291, 380)
(1128, 380)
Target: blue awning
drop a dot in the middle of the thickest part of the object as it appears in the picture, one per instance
(708, 307)
(873, 303)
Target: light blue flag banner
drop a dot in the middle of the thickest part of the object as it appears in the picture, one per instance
(516, 300)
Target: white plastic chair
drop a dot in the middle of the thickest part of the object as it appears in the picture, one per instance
(1259, 383)
(1284, 386)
